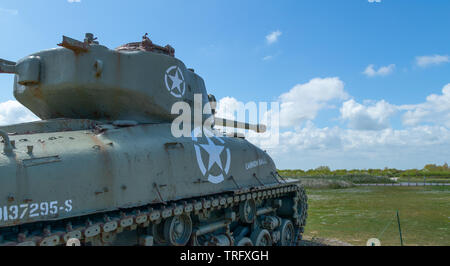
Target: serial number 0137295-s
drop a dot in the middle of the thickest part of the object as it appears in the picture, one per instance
(34, 210)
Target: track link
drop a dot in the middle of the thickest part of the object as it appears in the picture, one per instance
(101, 229)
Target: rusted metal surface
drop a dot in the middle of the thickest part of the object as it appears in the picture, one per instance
(148, 46)
(49, 126)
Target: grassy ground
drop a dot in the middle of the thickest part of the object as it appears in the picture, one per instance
(354, 215)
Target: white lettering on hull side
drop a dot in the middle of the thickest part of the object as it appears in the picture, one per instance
(254, 164)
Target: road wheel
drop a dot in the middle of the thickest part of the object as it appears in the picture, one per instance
(287, 233)
(178, 230)
(261, 238)
(247, 211)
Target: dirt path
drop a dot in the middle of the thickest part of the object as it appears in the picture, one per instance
(315, 241)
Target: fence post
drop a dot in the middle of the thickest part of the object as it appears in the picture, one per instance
(399, 229)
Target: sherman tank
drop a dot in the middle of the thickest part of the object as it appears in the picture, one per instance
(103, 166)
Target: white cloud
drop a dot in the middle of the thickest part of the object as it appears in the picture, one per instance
(311, 137)
(304, 101)
(382, 71)
(226, 107)
(425, 61)
(9, 11)
(367, 117)
(74, 1)
(367, 141)
(435, 110)
(374, 1)
(266, 58)
(300, 104)
(273, 37)
(310, 146)
(12, 112)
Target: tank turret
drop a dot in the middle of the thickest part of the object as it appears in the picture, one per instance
(136, 81)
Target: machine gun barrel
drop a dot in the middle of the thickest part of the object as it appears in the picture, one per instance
(222, 122)
(7, 66)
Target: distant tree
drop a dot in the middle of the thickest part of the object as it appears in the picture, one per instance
(323, 169)
(430, 167)
(430, 170)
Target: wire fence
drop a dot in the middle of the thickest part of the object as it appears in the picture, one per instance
(404, 184)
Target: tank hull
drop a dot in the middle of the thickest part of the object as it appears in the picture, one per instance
(104, 168)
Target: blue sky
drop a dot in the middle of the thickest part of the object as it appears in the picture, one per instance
(378, 118)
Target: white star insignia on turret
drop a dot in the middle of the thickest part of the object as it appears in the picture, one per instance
(176, 83)
(177, 88)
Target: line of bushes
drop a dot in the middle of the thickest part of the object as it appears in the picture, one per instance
(430, 171)
(351, 178)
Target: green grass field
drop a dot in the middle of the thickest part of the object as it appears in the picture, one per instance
(354, 215)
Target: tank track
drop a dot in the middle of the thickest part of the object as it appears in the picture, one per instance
(266, 215)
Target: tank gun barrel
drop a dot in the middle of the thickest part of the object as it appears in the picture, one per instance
(7, 66)
(222, 122)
